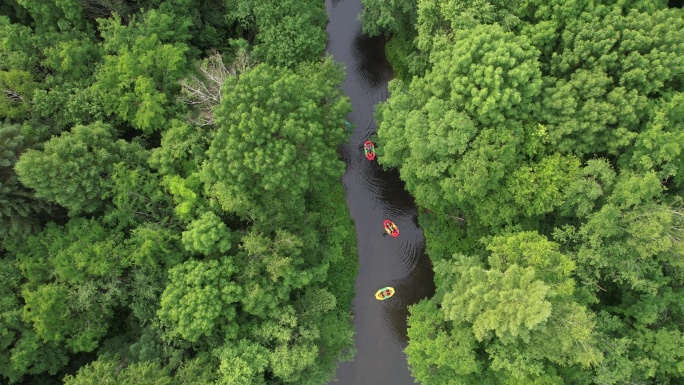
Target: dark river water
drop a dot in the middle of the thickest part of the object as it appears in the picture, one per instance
(373, 195)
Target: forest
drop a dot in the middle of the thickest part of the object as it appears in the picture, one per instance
(542, 141)
(171, 209)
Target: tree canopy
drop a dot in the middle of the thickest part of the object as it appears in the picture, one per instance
(142, 244)
(542, 140)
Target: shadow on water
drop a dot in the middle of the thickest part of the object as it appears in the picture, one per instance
(372, 66)
(373, 195)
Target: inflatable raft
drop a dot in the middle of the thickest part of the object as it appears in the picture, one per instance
(384, 293)
(369, 150)
(391, 228)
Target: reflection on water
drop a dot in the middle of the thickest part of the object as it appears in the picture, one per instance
(372, 196)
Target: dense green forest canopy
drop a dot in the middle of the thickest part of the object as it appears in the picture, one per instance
(170, 205)
(543, 141)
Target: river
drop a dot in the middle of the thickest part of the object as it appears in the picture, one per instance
(372, 195)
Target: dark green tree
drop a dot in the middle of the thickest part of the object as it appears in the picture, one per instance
(19, 210)
(276, 140)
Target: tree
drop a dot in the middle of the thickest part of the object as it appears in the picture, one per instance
(638, 246)
(204, 89)
(73, 282)
(517, 320)
(607, 68)
(287, 34)
(441, 352)
(18, 208)
(110, 370)
(462, 138)
(73, 169)
(143, 63)
(55, 16)
(182, 150)
(491, 75)
(199, 300)
(274, 145)
(17, 88)
(658, 148)
(387, 17)
(207, 235)
(139, 198)
(243, 364)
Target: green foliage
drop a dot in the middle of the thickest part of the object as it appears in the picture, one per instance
(639, 246)
(243, 364)
(17, 88)
(199, 300)
(148, 266)
(10, 315)
(19, 46)
(207, 235)
(31, 355)
(139, 198)
(270, 270)
(107, 370)
(555, 117)
(67, 106)
(69, 58)
(61, 15)
(73, 283)
(73, 169)
(13, 11)
(521, 311)
(182, 149)
(18, 209)
(143, 63)
(285, 32)
(401, 55)
(590, 189)
(288, 35)
(439, 352)
(197, 371)
(459, 149)
(275, 141)
(607, 67)
(491, 75)
(659, 147)
(387, 17)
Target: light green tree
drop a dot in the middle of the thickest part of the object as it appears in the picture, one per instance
(516, 318)
(143, 63)
(199, 300)
(73, 169)
(110, 371)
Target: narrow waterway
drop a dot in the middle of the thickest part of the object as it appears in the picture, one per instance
(373, 195)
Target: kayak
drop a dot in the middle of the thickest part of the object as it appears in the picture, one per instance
(391, 228)
(384, 293)
(369, 150)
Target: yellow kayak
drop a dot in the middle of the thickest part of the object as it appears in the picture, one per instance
(384, 293)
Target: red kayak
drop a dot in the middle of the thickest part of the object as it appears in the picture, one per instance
(369, 150)
(391, 228)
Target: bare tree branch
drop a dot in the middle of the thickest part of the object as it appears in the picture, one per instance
(204, 89)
